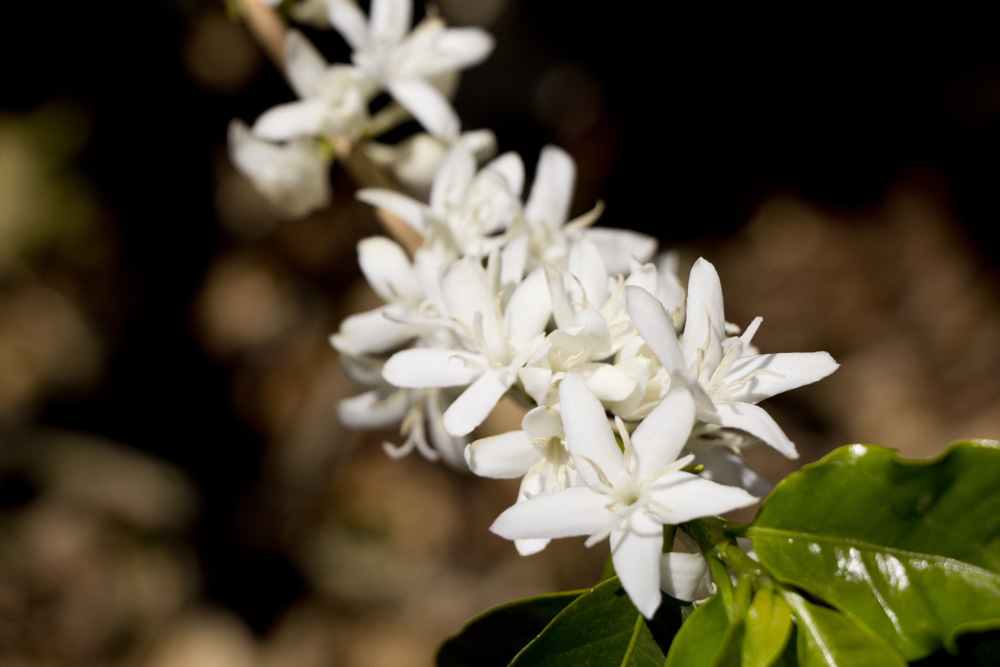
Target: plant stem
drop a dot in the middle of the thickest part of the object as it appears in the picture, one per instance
(717, 540)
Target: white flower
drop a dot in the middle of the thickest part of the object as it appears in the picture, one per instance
(537, 454)
(417, 411)
(404, 63)
(498, 336)
(332, 103)
(628, 494)
(725, 381)
(394, 278)
(414, 161)
(293, 177)
(471, 208)
(685, 576)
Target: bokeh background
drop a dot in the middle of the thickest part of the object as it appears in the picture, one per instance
(175, 489)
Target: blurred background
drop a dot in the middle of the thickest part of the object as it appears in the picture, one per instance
(175, 489)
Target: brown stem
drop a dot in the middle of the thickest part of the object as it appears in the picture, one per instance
(267, 28)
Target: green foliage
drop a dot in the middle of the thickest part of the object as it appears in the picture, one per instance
(768, 627)
(707, 638)
(602, 627)
(828, 638)
(909, 548)
(494, 637)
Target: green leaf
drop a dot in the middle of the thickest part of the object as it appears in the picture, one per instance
(910, 548)
(829, 638)
(602, 627)
(495, 636)
(707, 638)
(768, 625)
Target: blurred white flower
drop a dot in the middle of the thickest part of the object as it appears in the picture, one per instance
(332, 104)
(414, 161)
(293, 177)
(406, 63)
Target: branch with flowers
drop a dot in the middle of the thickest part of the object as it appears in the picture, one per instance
(639, 395)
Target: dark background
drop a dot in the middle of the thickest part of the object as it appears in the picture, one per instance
(685, 125)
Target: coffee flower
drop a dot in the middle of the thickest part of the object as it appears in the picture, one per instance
(292, 177)
(331, 105)
(628, 493)
(723, 377)
(407, 63)
(496, 336)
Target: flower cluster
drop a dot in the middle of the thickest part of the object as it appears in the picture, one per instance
(586, 327)
(288, 150)
(640, 394)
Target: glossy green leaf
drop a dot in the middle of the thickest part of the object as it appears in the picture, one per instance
(910, 548)
(768, 626)
(602, 627)
(707, 638)
(494, 637)
(830, 638)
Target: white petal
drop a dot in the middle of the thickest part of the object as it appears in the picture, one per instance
(619, 245)
(781, 372)
(305, 66)
(453, 179)
(514, 258)
(528, 310)
(609, 383)
(458, 48)
(452, 449)
(684, 576)
(543, 422)
(635, 552)
(705, 327)
(537, 382)
(373, 409)
(669, 290)
(466, 291)
(407, 209)
(656, 328)
(349, 21)
(725, 466)
(755, 421)
(503, 456)
(678, 497)
(511, 168)
(425, 368)
(552, 192)
(390, 20)
(660, 437)
(427, 105)
(387, 268)
(363, 369)
(562, 309)
(284, 122)
(586, 265)
(475, 403)
(530, 547)
(372, 332)
(588, 434)
(567, 513)
(482, 143)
